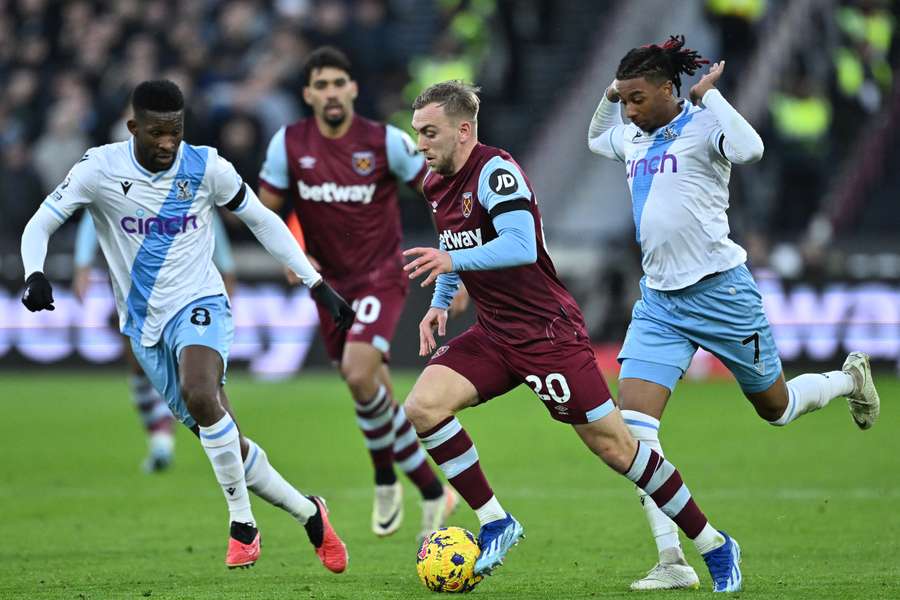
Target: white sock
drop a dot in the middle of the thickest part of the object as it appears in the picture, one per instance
(222, 445)
(709, 539)
(490, 511)
(813, 391)
(645, 429)
(267, 483)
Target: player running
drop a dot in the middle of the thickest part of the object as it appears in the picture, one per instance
(528, 330)
(696, 290)
(152, 408)
(157, 239)
(340, 172)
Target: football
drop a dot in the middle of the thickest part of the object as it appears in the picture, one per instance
(446, 561)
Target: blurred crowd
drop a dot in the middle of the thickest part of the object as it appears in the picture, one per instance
(69, 67)
(834, 91)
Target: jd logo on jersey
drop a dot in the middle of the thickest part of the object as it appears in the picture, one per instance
(364, 162)
(503, 182)
(184, 189)
(467, 204)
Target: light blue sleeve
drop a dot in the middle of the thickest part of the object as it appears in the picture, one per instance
(85, 241)
(500, 181)
(275, 168)
(222, 256)
(514, 246)
(445, 287)
(404, 161)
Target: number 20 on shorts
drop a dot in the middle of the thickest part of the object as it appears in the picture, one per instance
(556, 385)
(367, 309)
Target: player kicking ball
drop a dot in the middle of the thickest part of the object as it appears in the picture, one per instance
(696, 290)
(529, 330)
(157, 238)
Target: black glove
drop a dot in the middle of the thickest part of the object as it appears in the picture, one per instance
(336, 306)
(38, 293)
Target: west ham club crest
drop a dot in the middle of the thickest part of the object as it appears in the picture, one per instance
(364, 162)
(467, 204)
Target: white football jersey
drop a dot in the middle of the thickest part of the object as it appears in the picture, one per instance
(678, 177)
(155, 229)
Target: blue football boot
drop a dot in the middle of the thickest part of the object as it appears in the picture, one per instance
(495, 539)
(724, 564)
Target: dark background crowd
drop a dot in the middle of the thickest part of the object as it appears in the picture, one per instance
(830, 122)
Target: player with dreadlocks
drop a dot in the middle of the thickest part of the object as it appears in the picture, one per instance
(696, 290)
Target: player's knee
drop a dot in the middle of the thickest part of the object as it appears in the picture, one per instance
(615, 448)
(423, 409)
(415, 411)
(616, 455)
(770, 407)
(358, 377)
(201, 399)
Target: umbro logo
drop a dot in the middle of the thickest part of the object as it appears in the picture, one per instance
(307, 162)
(231, 491)
(126, 185)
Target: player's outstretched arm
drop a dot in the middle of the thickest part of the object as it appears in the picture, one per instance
(605, 129)
(38, 293)
(275, 237)
(514, 246)
(739, 142)
(73, 193)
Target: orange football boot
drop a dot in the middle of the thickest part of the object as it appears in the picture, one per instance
(241, 555)
(332, 552)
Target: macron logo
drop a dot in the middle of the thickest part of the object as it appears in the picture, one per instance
(331, 192)
(457, 240)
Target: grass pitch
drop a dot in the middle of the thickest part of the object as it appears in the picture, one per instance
(814, 505)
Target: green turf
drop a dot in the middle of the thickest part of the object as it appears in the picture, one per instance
(814, 505)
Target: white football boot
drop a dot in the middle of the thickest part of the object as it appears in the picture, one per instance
(863, 400)
(435, 512)
(387, 512)
(162, 452)
(672, 572)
